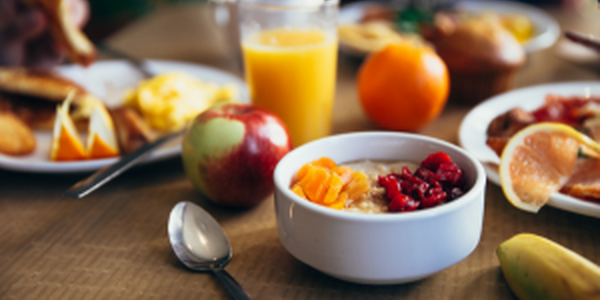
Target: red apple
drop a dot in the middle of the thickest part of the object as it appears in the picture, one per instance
(230, 152)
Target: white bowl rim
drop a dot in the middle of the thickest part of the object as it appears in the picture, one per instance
(456, 204)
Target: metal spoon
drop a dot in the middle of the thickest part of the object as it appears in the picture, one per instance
(201, 244)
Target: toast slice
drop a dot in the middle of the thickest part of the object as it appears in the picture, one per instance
(38, 83)
(16, 138)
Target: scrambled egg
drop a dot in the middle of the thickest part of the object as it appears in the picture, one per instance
(169, 101)
(519, 25)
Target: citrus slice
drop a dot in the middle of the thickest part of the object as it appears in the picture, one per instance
(66, 143)
(102, 139)
(537, 161)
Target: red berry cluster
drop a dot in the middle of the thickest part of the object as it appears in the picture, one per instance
(436, 181)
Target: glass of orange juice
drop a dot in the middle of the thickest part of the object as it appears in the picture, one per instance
(290, 57)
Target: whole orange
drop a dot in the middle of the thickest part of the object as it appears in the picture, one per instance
(403, 86)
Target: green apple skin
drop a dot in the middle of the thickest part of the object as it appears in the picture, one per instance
(230, 151)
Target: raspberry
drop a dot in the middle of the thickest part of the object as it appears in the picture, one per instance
(434, 197)
(448, 174)
(433, 161)
(392, 187)
(412, 205)
(428, 177)
(398, 203)
(436, 181)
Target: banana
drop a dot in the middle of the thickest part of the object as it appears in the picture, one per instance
(537, 268)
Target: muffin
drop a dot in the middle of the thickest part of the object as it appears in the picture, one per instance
(482, 58)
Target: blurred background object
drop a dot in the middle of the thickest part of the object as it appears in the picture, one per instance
(108, 16)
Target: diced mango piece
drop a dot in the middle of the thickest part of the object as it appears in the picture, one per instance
(335, 186)
(324, 162)
(314, 183)
(297, 189)
(345, 173)
(340, 202)
(358, 186)
(323, 182)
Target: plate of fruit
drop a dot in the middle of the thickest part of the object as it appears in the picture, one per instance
(539, 144)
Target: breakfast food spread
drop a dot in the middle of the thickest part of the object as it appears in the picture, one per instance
(380, 186)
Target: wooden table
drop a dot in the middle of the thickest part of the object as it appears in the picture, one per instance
(114, 245)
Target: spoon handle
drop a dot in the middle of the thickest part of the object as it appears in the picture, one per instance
(236, 290)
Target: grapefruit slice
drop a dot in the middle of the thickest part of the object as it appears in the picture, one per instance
(102, 139)
(537, 161)
(66, 143)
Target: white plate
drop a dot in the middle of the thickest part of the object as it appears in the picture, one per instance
(472, 133)
(547, 29)
(108, 80)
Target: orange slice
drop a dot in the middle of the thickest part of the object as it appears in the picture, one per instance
(66, 143)
(537, 161)
(102, 139)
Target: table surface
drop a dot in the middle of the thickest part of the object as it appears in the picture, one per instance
(114, 245)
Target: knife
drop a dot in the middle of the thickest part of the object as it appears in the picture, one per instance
(106, 174)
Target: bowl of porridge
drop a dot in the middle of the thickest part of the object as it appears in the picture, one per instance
(362, 234)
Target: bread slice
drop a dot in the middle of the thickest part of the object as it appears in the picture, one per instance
(16, 138)
(38, 83)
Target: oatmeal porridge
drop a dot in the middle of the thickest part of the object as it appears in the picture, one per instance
(375, 201)
(371, 186)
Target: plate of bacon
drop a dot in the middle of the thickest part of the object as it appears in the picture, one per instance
(488, 127)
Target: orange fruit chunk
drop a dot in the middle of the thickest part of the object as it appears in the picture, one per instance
(66, 143)
(345, 173)
(537, 161)
(404, 86)
(297, 189)
(68, 147)
(324, 182)
(102, 138)
(357, 186)
(100, 149)
(314, 183)
(333, 191)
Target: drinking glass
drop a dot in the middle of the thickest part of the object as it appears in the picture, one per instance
(289, 49)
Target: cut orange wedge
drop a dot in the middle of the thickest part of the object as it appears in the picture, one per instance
(66, 143)
(102, 139)
(537, 161)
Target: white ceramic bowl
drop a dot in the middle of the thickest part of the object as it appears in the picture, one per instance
(379, 248)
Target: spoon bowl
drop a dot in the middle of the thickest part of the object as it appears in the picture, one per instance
(200, 244)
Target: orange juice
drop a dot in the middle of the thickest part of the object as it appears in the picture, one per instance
(292, 73)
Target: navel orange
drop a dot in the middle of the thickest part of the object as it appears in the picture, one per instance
(403, 86)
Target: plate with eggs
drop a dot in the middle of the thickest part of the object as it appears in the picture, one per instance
(114, 103)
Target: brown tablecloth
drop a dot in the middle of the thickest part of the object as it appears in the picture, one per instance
(113, 244)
